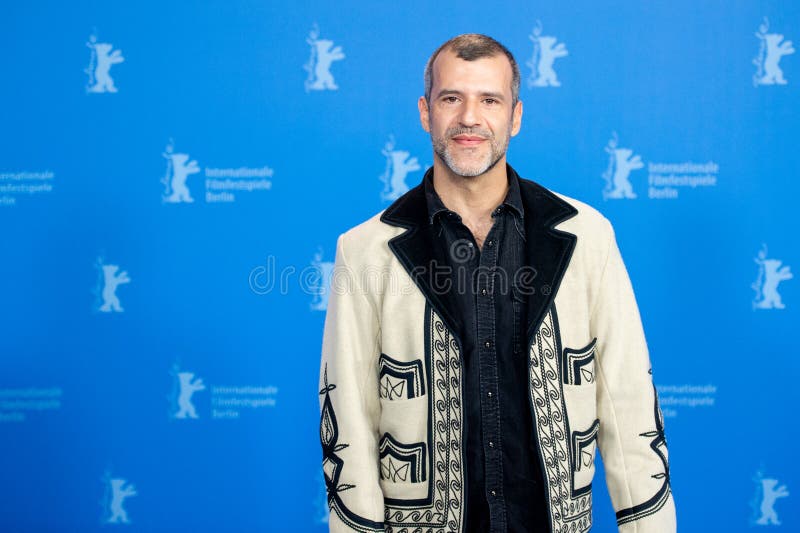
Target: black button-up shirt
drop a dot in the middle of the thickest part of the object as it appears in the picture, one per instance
(503, 474)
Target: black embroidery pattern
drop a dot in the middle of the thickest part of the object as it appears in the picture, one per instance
(401, 462)
(579, 365)
(332, 464)
(567, 513)
(442, 510)
(584, 445)
(659, 445)
(400, 380)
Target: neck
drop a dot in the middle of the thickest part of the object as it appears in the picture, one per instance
(474, 197)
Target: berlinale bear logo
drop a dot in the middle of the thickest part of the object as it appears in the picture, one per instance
(763, 504)
(184, 386)
(770, 274)
(109, 278)
(399, 164)
(621, 162)
(101, 60)
(545, 52)
(771, 49)
(179, 168)
(320, 285)
(117, 490)
(323, 54)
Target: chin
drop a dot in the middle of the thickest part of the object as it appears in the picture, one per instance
(469, 172)
(472, 170)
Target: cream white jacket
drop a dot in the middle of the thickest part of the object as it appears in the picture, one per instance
(391, 394)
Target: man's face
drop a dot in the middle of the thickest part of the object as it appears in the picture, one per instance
(470, 117)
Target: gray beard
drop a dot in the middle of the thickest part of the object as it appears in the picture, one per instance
(496, 154)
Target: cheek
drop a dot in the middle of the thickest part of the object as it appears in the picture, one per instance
(442, 118)
(438, 126)
(503, 127)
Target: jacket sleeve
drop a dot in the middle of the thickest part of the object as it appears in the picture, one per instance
(631, 435)
(349, 403)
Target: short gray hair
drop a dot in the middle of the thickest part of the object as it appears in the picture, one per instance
(469, 47)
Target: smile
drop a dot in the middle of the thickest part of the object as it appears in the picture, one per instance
(468, 140)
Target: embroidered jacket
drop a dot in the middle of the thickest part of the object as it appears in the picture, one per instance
(391, 388)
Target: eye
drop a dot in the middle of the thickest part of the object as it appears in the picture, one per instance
(490, 101)
(450, 99)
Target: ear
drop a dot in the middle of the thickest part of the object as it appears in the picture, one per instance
(424, 114)
(516, 118)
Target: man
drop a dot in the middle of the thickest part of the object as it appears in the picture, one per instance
(482, 338)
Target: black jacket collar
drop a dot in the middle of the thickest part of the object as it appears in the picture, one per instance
(547, 250)
(436, 207)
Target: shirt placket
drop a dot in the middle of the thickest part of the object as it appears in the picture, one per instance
(490, 406)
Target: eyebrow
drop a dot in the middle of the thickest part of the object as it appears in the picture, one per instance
(491, 94)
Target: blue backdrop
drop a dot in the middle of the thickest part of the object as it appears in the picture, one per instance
(173, 178)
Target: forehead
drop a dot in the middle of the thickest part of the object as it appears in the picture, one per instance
(486, 73)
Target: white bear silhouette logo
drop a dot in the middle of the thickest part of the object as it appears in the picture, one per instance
(110, 279)
(101, 60)
(545, 52)
(621, 162)
(188, 386)
(398, 165)
(767, 493)
(179, 168)
(771, 49)
(322, 287)
(117, 490)
(770, 274)
(323, 54)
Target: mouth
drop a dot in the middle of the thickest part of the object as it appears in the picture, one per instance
(468, 140)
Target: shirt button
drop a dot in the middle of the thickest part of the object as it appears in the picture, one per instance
(491, 444)
(489, 243)
(487, 344)
(490, 394)
(493, 493)
(483, 292)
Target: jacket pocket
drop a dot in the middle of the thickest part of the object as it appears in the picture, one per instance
(403, 447)
(404, 468)
(400, 380)
(582, 448)
(579, 386)
(578, 365)
(580, 397)
(402, 462)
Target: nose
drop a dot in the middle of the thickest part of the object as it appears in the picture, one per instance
(469, 113)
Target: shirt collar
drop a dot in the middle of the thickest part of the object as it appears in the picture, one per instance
(513, 198)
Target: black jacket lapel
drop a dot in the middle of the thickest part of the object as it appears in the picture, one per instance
(547, 251)
(420, 254)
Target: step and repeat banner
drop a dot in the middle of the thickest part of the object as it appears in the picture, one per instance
(174, 176)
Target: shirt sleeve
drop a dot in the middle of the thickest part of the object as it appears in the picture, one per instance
(631, 435)
(349, 403)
